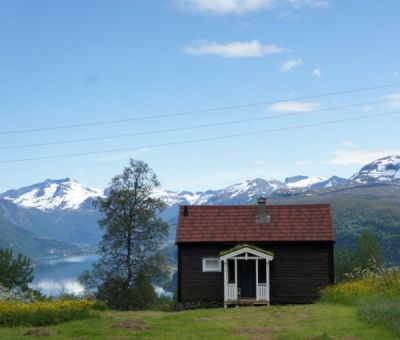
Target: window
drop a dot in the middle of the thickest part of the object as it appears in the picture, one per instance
(211, 264)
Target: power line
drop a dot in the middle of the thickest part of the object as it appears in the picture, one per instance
(183, 113)
(80, 140)
(190, 141)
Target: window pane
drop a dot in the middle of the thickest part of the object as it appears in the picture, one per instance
(231, 271)
(211, 264)
(262, 277)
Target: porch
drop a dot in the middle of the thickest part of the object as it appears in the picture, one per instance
(246, 275)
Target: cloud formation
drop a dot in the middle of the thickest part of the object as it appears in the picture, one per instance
(316, 72)
(294, 106)
(235, 49)
(289, 65)
(393, 100)
(221, 7)
(356, 156)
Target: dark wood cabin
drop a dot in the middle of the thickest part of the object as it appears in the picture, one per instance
(257, 254)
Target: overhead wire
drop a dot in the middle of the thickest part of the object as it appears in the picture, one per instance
(184, 113)
(199, 140)
(192, 127)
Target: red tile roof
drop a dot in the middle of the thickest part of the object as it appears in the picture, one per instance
(213, 223)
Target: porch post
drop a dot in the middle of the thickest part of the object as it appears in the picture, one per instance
(257, 297)
(267, 279)
(225, 281)
(236, 279)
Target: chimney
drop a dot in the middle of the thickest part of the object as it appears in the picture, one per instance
(262, 216)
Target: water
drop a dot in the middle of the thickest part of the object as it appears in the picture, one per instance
(57, 276)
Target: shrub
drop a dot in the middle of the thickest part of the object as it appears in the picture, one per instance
(99, 305)
(40, 313)
(372, 288)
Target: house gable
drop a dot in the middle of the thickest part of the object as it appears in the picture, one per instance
(246, 249)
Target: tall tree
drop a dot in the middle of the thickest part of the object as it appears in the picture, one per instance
(133, 233)
(15, 271)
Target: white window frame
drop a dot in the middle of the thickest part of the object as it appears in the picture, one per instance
(207, 270)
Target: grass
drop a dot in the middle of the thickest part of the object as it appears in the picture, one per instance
(377, 300)
(386, 313)
(367, 308)
(318, 321)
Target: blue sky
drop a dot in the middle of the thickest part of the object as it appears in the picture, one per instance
(71, 62)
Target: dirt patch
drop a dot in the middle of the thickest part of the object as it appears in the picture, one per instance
(40, 331)
(132, 324)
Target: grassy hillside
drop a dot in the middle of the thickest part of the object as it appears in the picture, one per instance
(318, 321)
(31, 245)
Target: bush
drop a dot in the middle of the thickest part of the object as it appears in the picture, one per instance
(164, 304)
(40, 313)
(372, 288)
(385, 313)
(99, 305)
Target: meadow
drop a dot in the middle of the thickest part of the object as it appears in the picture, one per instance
(359, 309)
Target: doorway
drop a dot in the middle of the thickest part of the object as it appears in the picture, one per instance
(247, 278)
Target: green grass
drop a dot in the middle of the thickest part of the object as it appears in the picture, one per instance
(386, 313)
(318, 321)
(376, 300)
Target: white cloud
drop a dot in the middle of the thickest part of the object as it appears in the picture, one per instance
(393, 99)
(293, 106)
(247, 6)
(356, 156)
(316, 72)
(227, 6)
(291, 64)
(236, 49)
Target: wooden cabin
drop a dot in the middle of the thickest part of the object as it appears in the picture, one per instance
(254, 254)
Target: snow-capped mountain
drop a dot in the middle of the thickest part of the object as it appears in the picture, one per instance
(239, 193)
(177, 198)
(383, 170)
(303, 181)
(242, 193)
(330, 182)
(64, 209)
(63, 194)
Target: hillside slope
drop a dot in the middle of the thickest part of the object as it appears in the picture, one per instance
(29, 244)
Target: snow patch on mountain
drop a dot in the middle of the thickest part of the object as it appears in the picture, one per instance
(382, 170)
(303, 181)
(176, 198)
(333, 181)
(64, 194)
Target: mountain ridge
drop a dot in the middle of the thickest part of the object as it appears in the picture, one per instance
(76, 222)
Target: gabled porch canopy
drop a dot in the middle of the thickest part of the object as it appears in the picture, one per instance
(250, 278)
(246, 249)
